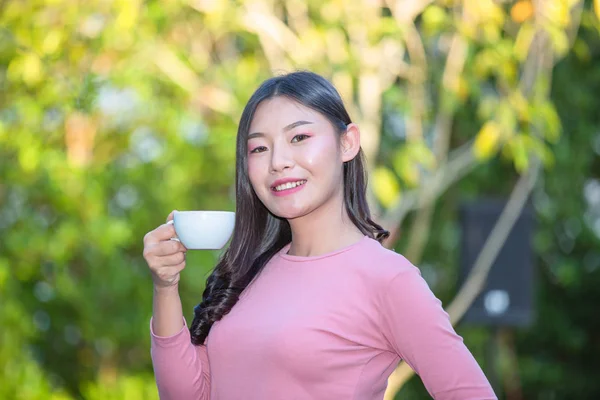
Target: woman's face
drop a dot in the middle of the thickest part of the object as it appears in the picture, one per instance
(295, 159)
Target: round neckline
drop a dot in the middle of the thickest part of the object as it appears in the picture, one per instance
(283, 252)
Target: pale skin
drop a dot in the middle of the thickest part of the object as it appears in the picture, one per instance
(287, 140)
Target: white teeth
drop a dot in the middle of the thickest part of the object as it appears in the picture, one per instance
(289, 185)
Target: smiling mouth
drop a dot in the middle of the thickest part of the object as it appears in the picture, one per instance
(289, 185)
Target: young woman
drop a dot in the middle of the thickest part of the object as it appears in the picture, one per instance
(305, 303)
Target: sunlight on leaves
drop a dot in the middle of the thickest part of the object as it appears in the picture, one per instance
(28, 69)
(559, 39)
(385, 186)
(517, 147)
(117, 111)
(548, 121)
(523, 41)
(4, 272)
(408, 169)
(411, 159)
(487, 141)
(434, 18)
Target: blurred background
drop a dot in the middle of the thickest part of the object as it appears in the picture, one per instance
(477, 116)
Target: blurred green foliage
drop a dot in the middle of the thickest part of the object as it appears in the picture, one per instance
(113, 113)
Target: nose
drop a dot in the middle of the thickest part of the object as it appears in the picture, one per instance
(281, 158)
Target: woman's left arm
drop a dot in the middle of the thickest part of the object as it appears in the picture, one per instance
(420, 332)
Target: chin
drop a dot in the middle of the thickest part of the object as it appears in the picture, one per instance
(289, 212)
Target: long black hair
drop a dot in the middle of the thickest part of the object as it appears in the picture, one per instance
(258, 234)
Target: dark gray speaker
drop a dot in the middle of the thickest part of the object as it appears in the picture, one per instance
(507, 298)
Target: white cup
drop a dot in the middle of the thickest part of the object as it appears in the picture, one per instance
(203, 230)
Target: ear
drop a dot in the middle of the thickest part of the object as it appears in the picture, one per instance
(350, 142)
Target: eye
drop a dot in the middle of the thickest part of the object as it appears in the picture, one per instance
(258, 149)
(299, 138)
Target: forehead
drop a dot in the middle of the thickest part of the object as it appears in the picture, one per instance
(276, 113)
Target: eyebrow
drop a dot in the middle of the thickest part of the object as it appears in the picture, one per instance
(287, 128)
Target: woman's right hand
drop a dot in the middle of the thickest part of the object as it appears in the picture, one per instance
(165, 257)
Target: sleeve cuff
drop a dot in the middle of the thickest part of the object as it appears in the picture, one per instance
(168, 341)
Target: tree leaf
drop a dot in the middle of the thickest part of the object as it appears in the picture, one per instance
(518, 149)
(421, 154)
(385, 186)
(540, 149)
(559, 39)
(523, 41)
(407, 162)
(550, 122)
(487, 140)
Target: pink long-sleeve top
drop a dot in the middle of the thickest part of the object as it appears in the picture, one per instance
(332, 326)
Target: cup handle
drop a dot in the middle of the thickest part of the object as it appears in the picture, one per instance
(175, 238)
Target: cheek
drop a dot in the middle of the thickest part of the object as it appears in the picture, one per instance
(255, 172)
(321, 153)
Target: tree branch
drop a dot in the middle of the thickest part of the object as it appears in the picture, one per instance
(407, 10)
(476, 279)
(416, 84)
(180, 74)
(276, 39)
(442, 133)
(460, 162)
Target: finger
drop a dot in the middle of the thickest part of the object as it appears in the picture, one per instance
(179, 267)
(173, 259)
(167, 248)
(173, 269)
(171, 222)
(170, 271)
(164, 232)
(171, 215)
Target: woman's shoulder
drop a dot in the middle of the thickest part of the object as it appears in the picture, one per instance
(383, 263)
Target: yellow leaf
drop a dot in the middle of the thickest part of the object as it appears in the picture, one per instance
(434, 18)
(487, 140)
(491, 33)
(385, 186)
(519, 103)
(52, 41)
(559, 40)
(506, 119)
(29, 158)
(27, 68)
(557, 13)
(523, 41)
(128, 14)
(597, 8)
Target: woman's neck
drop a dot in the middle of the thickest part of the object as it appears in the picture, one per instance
(324, 230)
